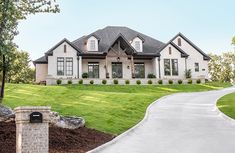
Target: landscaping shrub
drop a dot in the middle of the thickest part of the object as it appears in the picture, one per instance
(151, 76)
(170, 81)
(69, 82)
(138, 82)
(80, 82)
(127, 81)
(198, 81)
(104, 81)
(58, 81)
(190, 81)
(180, 81)
(150, 82)
(115, 81)
(160, 81)
(92, 82)
(85, 75)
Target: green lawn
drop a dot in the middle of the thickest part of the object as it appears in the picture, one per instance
(109, 108)
(227, 105)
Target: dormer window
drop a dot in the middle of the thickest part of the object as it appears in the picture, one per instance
(137, 46)
(137, 43)
(92, 44)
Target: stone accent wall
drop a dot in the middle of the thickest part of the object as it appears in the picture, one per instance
(32, 137)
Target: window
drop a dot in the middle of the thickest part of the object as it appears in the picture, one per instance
(174, 65)
(92, 45)
(179, 42)
(60, 66)
(167, 67)
(169, 50)
(69, 66)
(137, 46)
(116, 70)
(65, 48)
(139, 70)
(196, 65)
(93, 70)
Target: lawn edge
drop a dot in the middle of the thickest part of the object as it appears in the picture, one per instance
(221, 114)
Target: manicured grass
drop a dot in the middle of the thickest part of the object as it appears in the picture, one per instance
(226, 104)
(109, 108)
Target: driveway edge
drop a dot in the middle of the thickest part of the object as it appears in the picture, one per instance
(96, 150)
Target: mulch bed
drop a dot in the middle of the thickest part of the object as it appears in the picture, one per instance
(60, 140)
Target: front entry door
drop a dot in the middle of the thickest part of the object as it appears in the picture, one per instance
(117, 70)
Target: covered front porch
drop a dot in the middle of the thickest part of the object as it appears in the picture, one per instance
(120, 61)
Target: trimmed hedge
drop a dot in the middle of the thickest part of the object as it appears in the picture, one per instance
(160, 81)
(138, 82)
(104, 81)
(150, 82)
(170, 81)
(92, 82)
(58, 82)
(127, 82)
(115, 81)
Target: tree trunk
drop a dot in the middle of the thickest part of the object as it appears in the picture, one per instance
(3, 77)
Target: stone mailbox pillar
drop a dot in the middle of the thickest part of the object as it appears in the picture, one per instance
(32, 134)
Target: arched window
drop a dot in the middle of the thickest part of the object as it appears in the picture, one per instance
(65, 48)
(179, 42)
(170, 50)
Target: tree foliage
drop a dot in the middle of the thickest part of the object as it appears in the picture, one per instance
(11, 12)
(18, 69)
(222, 67)
(233, 41)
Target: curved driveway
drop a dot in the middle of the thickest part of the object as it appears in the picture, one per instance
(179, 123)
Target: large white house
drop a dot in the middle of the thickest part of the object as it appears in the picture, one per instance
(121, 53)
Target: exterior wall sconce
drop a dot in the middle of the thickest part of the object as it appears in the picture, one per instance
(128, 67)
(118, 59)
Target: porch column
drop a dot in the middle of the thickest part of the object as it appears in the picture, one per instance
(159, 67)
(80, 67)
(106, 68)
(132, 67)
(156, 66)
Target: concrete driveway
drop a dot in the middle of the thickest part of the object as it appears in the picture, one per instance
(179, 123)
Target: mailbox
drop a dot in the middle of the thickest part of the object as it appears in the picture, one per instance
(36, 117)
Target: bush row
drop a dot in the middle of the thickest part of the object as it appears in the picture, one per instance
(115, 81)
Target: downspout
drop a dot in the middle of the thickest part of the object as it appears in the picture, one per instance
(186, 67)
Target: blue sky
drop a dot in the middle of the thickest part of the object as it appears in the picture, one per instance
(210, 24)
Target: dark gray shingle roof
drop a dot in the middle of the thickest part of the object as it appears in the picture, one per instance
(110, 33)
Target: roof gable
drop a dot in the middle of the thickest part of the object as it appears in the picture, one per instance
(205, 56)
(109, 34)
(50, 51)
(183, 54)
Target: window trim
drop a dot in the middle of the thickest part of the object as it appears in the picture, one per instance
(170, 50)
(67, 67)
(93, 64)
(92, 43)
(167, 59)
(58, 66)
(139, 63)
(179, 42)
(172, 67)
(121, 69)
(137, 45)
(196, 69)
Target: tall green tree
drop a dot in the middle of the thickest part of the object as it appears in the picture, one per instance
(19, 69)
(11, 12)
